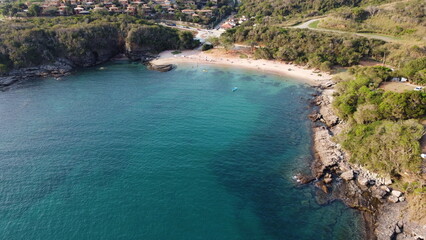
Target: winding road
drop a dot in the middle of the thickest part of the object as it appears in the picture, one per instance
(306, 25)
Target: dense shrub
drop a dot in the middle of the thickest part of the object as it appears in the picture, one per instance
(415, 70)
(359, 98)
(321, 50)
(381, 133)
(85, 40)
(206, 47)
(385, 146)
(280, 10)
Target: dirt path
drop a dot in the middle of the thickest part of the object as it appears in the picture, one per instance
(306, 25)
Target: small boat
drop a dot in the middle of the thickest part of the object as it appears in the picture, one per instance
(234, 89)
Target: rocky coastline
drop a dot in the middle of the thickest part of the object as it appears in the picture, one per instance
(57, 69)
(62, 67)
(336, 179)
(332, 174)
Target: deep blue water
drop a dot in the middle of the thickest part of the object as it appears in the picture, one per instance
(127, 153)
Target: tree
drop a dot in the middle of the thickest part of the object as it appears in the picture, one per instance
(187, 40)
(158, 9)
(226, 42)
(252, 45)
(34, 10)
(366, 113)
(50, 11)
(213, 40)
(415, 69)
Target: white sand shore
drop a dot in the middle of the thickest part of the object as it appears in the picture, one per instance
(232, 58)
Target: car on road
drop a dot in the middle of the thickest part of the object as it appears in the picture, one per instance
(418, 88)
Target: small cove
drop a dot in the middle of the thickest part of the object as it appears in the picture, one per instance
(127, 153)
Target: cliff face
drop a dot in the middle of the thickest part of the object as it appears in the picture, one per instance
(144, 42)
(86, 47)
(27, 51)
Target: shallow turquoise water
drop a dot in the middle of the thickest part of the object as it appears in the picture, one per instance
(127, 153)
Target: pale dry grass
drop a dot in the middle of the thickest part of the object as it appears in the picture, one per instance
(397, 86)
(417, 208)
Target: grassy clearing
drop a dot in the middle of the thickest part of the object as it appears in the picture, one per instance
(314, 24)
(403, 21)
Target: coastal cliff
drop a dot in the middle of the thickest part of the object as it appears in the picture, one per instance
(382, 207)
(54, 47)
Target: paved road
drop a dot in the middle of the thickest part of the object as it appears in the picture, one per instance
(204, 34)
(374, 36)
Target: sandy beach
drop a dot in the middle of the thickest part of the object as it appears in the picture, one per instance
(244, 60)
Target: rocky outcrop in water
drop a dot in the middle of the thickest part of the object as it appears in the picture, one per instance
(160, 67)
(58, 68)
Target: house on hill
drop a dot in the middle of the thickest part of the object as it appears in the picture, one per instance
(114, 9)
(78, 9)
(131, 10)
(98, 8)
(226, 26)
(188, 11)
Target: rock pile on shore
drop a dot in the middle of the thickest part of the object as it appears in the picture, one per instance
(58, 68)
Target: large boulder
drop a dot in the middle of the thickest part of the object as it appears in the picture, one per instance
(348, 175)
(303, 179)
(396, 193)
(160, 67)
(385, 188)
(321, 185)
(362, 181)
(379, 193)
(393, 199)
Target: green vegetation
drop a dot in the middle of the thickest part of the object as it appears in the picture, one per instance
(34, 10)
(85, 40)
(383, 132)
(314, 24)
(206, 47)
(360, 100)
(385, 147)
(277, 11)
(321, 50)
(403, 19)
(415, 70)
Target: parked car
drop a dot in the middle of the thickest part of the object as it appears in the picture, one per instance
(418, 89)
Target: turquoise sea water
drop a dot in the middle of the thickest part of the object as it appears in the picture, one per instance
(127, 153)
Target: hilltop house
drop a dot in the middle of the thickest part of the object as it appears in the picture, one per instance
(78, 9)
(131, 10)
(226, 26)
(188, 11)
(114, 9)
